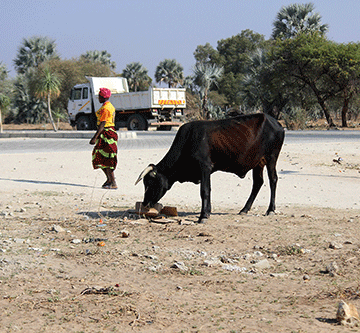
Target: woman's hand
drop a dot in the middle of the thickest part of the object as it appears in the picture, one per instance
(98, 132)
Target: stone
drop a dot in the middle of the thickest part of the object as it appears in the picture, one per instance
(262, 264)
(57, 228)
(212, 262)
(279, 275)
(180, 265)
(19, 240)
(335, 246)
(234, 268)
(332, 268)
(76, 241)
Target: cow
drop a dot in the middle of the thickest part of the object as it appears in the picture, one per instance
(236, 145)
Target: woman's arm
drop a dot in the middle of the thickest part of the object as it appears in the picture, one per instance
(98, 132)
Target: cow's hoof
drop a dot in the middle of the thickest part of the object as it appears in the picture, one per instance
(271, 213)
(243, 212)
(202, 220)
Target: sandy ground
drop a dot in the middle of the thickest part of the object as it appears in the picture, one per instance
(250, 273)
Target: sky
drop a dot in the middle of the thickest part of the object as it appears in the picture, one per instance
(149, 31)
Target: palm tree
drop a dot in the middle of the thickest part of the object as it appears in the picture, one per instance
(33, 52)
(205, 75)
(47, 86)
(3, 71)
(102, 57)
(170, 72)
(135, 73)
(4, 103)
(297, 18)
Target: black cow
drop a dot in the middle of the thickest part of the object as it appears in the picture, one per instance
(200, 148)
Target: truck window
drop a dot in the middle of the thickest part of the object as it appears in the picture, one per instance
(75, 94)
(85, 93)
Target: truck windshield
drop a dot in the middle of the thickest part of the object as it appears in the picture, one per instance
(75, 94)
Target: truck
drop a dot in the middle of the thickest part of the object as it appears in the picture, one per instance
(161, 107)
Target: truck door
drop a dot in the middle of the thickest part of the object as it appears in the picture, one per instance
(80, 101)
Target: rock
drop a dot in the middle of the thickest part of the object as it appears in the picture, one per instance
(76, 241)
(234, 268)
(335, 246)
(279, 275)
(262, 264)
(258, 254)
(332, 268)
(180, 265)
(57, 228)
(19, 240)
(212, 262)
(35, 249)
(347, 315)
(306, 277)
(151, 257)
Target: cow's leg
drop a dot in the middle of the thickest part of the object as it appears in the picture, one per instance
(258, 181)
(273, 178)
(205, 189)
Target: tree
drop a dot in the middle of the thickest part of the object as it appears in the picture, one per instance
(4, 103)
(103, 57)
(206, 54)
(234, 57)
(297, 18)
(261, 87)
(3, 71)
(206, 75)
(33, 52)
(136, 75)
(47, 86)
(303, 58)
(170, 72)
(342, 64)
(29, 109)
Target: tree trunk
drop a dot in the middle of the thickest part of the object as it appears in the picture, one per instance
(345, 110)
(323, 105)
(50, 115)
(1, 125)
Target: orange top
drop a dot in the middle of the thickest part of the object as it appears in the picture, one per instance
(106, 113)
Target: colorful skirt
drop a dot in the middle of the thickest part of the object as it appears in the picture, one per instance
(104, 154)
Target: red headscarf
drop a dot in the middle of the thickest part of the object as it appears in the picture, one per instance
(105, 92)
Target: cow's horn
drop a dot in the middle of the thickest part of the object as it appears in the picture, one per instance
(144, 173)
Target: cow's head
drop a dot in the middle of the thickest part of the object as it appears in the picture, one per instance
(156, 185)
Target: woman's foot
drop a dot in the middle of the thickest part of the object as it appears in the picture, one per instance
(110, 186)
(107, 183)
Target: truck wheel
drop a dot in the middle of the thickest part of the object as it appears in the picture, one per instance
(137, 122)
(83, 123)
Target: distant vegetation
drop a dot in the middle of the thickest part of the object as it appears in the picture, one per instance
(297, 75)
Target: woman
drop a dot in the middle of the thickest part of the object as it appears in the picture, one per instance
(104, 155)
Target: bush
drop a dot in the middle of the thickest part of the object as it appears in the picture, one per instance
(295, 118)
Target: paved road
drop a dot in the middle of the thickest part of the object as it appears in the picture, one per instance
(154, 140)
